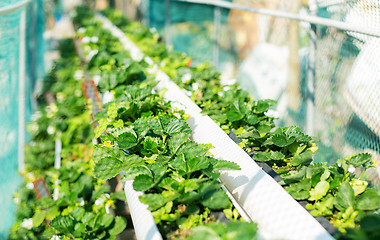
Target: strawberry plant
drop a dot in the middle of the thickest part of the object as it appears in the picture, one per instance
(331, 191)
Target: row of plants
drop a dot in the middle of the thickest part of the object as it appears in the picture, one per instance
(148, 139)
(79, 205)
(335, 192)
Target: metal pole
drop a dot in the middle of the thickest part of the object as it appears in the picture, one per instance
(350, 27)
(21, 98)
(168, 40)
(216, 36)
(311, 74)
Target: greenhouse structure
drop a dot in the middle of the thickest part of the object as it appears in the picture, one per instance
(190, 119)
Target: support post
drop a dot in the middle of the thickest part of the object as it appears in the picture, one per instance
(311, 74)
(21, 97)
(168, 40)
(217, 15)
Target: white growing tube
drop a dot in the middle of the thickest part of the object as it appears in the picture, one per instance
(143, 222)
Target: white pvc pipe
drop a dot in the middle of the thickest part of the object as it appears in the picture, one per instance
(277, 214)
(143, 222)
(21, 96)
(293, 16)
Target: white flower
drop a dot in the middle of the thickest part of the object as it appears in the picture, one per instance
(91, 54)
(99, 201)
(16, 200)
(86, 40)
(29, 185)
(226, 88)
(186, 77)
(94, 39)
(96, 79)
(50, 130)
(351, 169)
(272, 113)
(81, 30)
(27, 223)
(60, 97)
(55, 237)
(188, 93)
(81, 201)
(195, 86)
(339, 164)
(78, 75)
(162, 64)
(221, 93)
(153, 30)
(107, 207)
(36, 115)
(107, 97)
(30, 175)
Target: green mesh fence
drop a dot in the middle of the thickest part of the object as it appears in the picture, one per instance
(272, 58)
(9, 94)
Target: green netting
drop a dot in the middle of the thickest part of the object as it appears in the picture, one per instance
(191, 28)
(9, 94)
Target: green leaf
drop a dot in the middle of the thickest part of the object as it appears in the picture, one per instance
(107, 219)
(345, 196)
(252, 119)
(78, 213)
(132, 161)
(277, 156)
(234, 114)
(262, 156)
(119, 226)
(102, 127)
(224, 165)
(261, 106)
(176, 141)
(177, 126)
(216, 200)
(360, 159)
(369, 200)
(213, 197)
(304, 159)
(204, 233)
(63, 224)
(107, 168)
(79, 229)
(143, 183)
(112, 111)
(127, 140)
(281, 140)
(319, 191)
(38, 218)
(52, 212)
(300, 191)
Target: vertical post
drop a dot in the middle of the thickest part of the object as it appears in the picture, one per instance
(217, 15)
(293, 87)
(21, 97)
(311, 74)
(57, 163)
(168, 40)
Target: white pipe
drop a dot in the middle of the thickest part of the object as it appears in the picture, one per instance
(298, 17)
(277, 214)
(13, 8)
(143, 222)
(21, 97)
